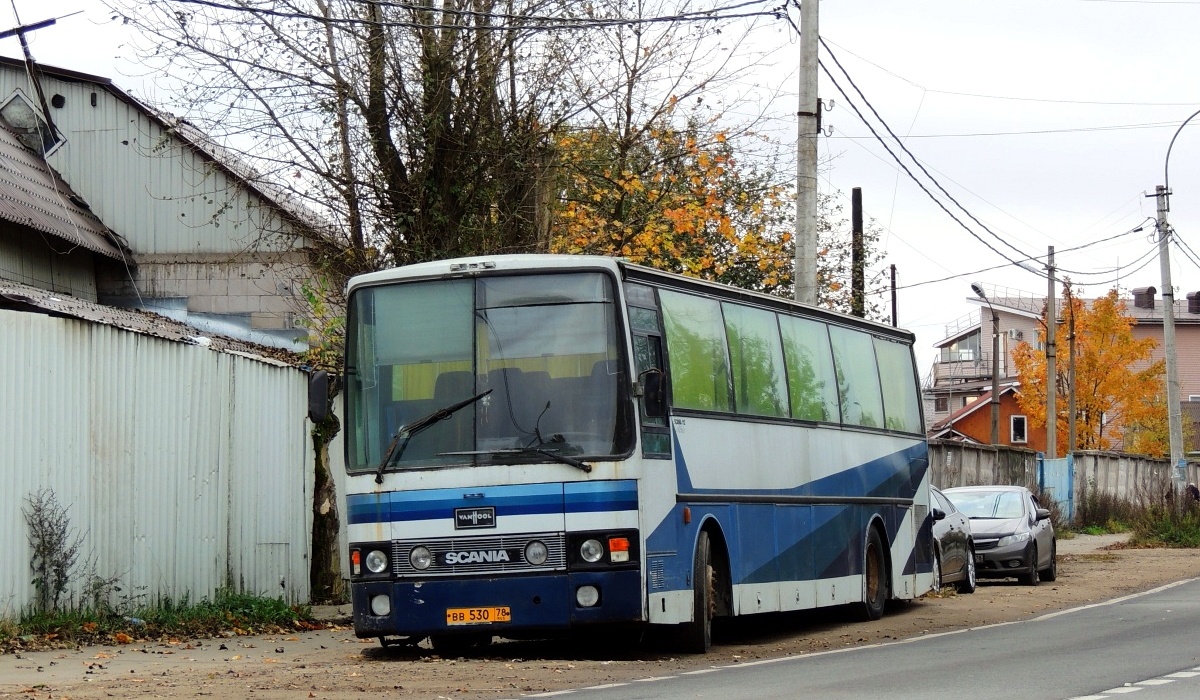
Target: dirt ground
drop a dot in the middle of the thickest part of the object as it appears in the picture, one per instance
(333, 664)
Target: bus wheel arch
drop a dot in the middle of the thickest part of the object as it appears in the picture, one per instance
(876, 572)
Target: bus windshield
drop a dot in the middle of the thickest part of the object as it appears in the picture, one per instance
(543, 346)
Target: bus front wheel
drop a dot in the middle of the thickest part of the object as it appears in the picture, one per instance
(696, 636)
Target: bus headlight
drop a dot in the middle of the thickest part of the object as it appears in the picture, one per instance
(420, 558)
(536, 553)
(376, 561)
(591, 551)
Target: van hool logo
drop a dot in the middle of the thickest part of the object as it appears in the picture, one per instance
(473, 518)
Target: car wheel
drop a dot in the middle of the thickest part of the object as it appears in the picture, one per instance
(937, 571)
(1031, 578)
(1051, 572)
(696, 636)
(967, 585)
(875, 579)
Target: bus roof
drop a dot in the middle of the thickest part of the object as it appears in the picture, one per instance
(471, 266)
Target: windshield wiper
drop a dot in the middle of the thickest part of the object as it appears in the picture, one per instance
(562, 459)
(406, 432)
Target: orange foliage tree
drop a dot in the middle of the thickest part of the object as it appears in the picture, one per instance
(679, 200)
(1116, 404)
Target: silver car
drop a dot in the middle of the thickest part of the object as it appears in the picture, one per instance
(1013, 533)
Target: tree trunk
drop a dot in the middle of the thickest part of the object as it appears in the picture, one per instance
(325, 572)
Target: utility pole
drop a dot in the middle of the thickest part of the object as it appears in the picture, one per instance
(895, 318)
(807, 129)
(1051, 370)
(858, 291)
(1070, 299)
(1174, 419)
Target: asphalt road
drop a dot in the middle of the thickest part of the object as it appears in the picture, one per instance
(1145, 646)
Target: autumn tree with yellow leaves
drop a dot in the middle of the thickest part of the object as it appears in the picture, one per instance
(680, 200)
(1118, 389)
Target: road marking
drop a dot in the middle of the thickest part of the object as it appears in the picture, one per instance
(1114, 601)
(1183, 674)
(654, 678)
(1155, 681)
(699, 671)
(1119, 691)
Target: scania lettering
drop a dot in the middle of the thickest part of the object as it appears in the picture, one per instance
(475, 557)
(538, 444)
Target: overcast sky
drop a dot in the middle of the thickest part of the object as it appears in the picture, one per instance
(1047, 120)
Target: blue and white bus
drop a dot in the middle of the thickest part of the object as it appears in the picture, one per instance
(540, 443)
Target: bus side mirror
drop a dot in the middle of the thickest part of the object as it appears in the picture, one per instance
(318, 396)
(654, 398)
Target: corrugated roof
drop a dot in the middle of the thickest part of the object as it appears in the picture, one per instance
(32, 194)
(22, 297)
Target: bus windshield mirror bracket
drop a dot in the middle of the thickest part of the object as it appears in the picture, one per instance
(406, 432)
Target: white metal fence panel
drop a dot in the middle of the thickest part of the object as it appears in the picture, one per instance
(184, 470)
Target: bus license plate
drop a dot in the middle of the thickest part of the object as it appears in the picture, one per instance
(477, 616)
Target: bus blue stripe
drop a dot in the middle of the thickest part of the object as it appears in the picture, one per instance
(532, 499)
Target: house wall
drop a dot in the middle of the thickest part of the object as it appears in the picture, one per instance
(978, 425)
(1187, 354)
(184, 470)
(26, 257)
(263, 287)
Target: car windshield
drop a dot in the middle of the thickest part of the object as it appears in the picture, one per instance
(989, 504)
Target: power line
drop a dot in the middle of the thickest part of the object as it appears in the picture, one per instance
(1034, 132)
(526, 22)
(1041, 259)
(1012, 98)
(919, 165)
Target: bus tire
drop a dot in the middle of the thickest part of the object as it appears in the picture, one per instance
(696, 636)
(875, 577)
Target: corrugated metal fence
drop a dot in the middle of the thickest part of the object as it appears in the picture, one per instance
(185, 470)
(1133, 478)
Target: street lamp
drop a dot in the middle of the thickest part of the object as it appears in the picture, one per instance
(978, 289)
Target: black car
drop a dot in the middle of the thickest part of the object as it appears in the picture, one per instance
(953, 546)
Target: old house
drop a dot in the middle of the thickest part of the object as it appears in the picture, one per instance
(205, 241)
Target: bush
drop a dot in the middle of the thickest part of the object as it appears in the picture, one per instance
(1173, 525)
(1101, 513)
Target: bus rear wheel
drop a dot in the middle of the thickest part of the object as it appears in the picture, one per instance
(696, 636)
(875, 577)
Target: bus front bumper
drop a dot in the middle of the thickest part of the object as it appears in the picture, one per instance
(547, 602)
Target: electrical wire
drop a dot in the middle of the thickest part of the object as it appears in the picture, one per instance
(528, 22)
(1007, 97)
